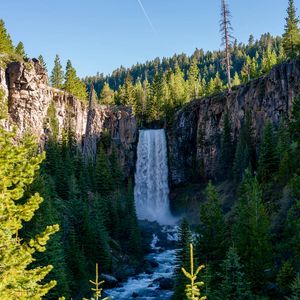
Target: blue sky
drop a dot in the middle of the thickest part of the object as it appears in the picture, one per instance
(101, 35)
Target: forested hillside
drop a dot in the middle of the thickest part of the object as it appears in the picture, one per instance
(159, 87)
(234, 173)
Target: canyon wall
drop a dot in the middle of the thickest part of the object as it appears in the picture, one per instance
(30, 97)
(194, 139)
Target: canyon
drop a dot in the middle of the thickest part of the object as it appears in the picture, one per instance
(193, 139)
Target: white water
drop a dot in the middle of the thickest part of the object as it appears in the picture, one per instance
(146, 286)
(151, 191)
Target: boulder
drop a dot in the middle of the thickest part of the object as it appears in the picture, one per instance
(166, 284)
(110, 281)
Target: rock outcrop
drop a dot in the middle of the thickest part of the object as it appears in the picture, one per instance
(30, 97)
(195, 137)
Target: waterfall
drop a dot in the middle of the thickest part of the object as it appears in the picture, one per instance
(151, 191)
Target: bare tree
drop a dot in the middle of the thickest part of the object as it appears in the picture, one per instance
(226, 30)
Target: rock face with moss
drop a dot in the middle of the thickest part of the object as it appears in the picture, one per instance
(34, 107)
(194, 140)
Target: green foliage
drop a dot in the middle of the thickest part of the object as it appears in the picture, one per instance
(212, 241)
(42, 62)
(73, 84)
(251, 232)
(53, 122)
(292, 234)
(6, 45)
(233, 284)
(157, 88)
(18, 167)
(295, 287)
(97, 289)
(183, 259)
(236, 79)
(284, 277)
(245, 149)
(193, 80)
(57, 75)
(20, 50)
(107, 95)
(267, 162)
(227, 150)
(103, 177)
(291, 36)
(192, 289)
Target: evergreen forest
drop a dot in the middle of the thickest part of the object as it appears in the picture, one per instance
(61, 213)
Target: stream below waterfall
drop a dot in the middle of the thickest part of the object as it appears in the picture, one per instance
(149, 286)
(151, 193)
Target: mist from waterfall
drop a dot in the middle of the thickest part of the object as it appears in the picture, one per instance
(151, 191)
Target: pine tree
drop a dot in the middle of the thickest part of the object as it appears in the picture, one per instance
(254, 72)
(227, 150)
(284, 153)
(116, 171)
(6, 45)
(291, 36)
(295, 287)
(291, 234)
(211, 87)
(233, 284)
(246, 70)
(97, 290)
(57, 75)
(193, 80)
(219, 86)
(182, 258)
(95, 236)
(284, 278)
(18, 166)
(251, 232)
(50, 212)
(267, 162)
(245, 149)
(178, 87)
(155, 100)
(103, 176)
(212, 241)
(294, 125)
(192, 290)
(20, 50)
(131, 224)
(42, 62)
(236, 80)
(107, 96)
(73, 84)
(128, 92)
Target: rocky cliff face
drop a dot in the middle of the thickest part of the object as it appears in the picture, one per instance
(29, 98)
(195, 137)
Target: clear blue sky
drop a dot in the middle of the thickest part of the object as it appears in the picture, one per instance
(101, 35)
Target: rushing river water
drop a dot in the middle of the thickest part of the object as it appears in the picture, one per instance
(147, 286)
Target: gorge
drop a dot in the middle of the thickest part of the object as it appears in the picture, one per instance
(186, 151)
(192, 140)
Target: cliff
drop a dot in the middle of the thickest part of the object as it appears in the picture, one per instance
(29, 101)
(194, 138)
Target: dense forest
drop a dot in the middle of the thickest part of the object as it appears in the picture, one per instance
(159, 87)
(251, 251)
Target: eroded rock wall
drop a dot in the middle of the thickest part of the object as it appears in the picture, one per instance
(29, 98)
(195, 136)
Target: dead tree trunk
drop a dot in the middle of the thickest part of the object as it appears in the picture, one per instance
(226, 30)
